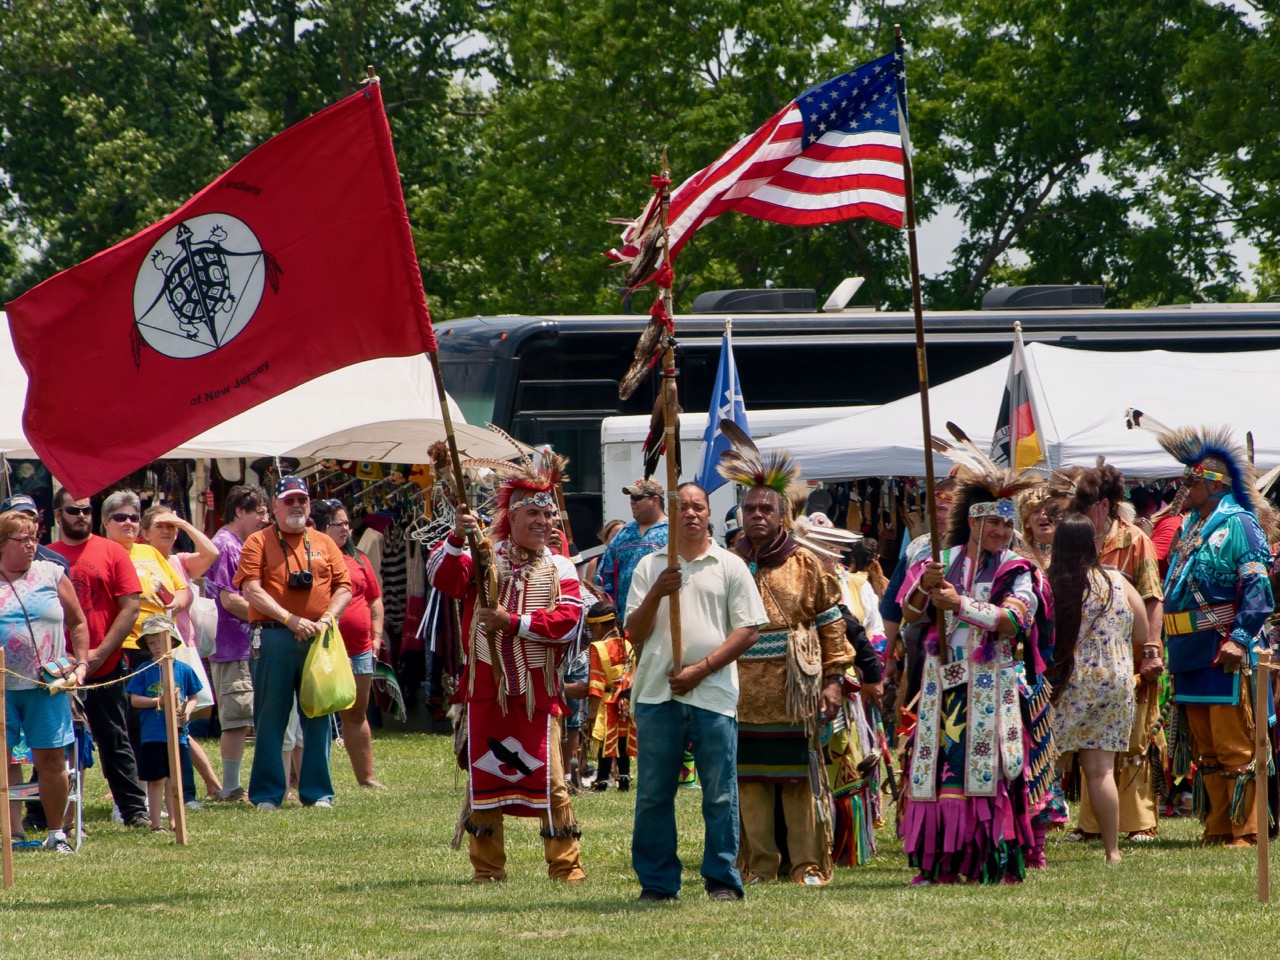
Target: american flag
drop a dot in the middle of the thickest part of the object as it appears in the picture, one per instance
(833, 153)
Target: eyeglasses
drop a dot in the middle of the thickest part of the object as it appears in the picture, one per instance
(339, 523)
(77, 511)
(25, 541)
(125, 517)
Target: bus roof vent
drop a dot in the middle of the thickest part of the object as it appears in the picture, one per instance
(1064, 297)
(756, 301)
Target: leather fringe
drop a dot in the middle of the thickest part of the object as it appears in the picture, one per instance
(1180, 741)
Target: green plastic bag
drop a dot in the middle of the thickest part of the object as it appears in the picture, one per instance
(328, 685)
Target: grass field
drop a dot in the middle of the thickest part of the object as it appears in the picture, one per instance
(375, 878)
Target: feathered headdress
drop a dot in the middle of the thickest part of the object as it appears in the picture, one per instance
(983, 487)
(743, 463)
(1192, 447)
(823, 538)
(527, 481)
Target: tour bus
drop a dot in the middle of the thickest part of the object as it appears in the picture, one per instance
(552, 380)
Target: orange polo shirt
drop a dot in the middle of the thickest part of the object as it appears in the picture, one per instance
(262, 559)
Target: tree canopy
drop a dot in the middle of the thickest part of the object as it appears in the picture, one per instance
(1076, 141)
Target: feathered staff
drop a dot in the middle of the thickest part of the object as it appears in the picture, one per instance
(658, 338)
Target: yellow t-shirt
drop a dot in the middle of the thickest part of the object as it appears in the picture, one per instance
(157, 579)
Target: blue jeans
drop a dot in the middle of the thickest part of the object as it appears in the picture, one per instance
(662, 730)
(276, 680)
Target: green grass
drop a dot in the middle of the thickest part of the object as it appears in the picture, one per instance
(375, 878)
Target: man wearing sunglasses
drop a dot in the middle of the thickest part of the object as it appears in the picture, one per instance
(109, 592)
(297, 586)
(645, 534)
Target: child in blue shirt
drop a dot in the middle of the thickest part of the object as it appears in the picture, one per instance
(146, 695)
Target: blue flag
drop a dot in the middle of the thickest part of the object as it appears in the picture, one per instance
(726, 404)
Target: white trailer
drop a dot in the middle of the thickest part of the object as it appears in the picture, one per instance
(622, 463)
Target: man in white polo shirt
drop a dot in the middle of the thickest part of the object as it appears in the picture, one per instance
(720, 613)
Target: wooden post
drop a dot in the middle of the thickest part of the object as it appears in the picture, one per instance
(177, 809)
(6, 827)
(1261, 748)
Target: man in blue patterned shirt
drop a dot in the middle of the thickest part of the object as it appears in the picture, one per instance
(1217, 600)
(647, 533)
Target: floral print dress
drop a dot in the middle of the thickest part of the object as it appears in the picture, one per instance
(1095, 711)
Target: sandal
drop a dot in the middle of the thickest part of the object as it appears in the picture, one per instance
(1076, 835)
(1143, 836)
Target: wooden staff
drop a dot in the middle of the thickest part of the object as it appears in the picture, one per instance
(177, 809)
(1261, 745)
(669, 416)
(6, 826)
(565, 529)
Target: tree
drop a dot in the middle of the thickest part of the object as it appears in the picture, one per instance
(114, 112)
(587, 97)
(1049, 127)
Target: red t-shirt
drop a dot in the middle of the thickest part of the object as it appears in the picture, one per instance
(356, 623)
(102, 573)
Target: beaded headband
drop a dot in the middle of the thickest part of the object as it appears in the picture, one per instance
(1198, 472)
(1003, 509)
(541, 499)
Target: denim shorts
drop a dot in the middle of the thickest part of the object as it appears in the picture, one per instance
(362, 663)
(44, 718)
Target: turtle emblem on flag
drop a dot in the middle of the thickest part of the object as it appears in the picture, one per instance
(199, 286)
(508, 759)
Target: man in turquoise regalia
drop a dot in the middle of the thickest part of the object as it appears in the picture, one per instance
(1217, 600)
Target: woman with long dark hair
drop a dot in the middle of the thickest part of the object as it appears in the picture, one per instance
(1101, 621)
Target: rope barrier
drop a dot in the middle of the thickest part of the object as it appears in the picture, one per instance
(64, 687)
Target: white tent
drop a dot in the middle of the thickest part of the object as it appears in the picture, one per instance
(1080, 397)
(380, 410)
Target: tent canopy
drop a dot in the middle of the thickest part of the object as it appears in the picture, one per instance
(381, 410)
(1080, 398)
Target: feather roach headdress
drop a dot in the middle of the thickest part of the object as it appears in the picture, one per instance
(983, 487)
(824, 538)
(530, 480)
(1211, 453)
(744, 463)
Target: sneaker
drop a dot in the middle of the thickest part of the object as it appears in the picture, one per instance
(194, 805)
(140, 821)
(723, 893)
(237, 795)
(116, 815)
(57, 843)
(325, 804)
(265, 805)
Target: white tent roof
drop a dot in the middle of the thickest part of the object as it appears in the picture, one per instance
(380, 410)
(1080, 398)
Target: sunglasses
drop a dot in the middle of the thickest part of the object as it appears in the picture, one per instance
(125, 517)
(637, 497)
(77, 511)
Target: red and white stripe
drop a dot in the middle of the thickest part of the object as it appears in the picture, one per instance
(770, 175)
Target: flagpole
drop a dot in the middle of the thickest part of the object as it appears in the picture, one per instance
(460, 483)
(669, 407)
(917, 303)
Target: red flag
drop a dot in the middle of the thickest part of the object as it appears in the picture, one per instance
(295, 262)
